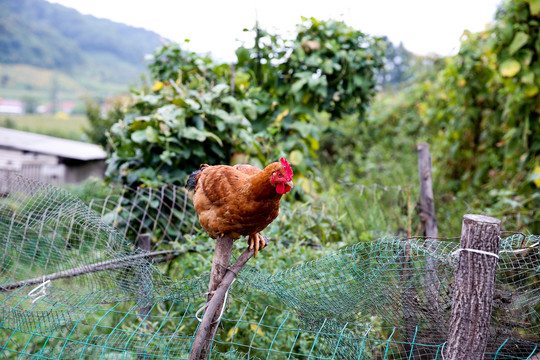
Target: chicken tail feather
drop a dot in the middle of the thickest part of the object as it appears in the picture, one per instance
(192, 180)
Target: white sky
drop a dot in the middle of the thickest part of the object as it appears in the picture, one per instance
(215, 26)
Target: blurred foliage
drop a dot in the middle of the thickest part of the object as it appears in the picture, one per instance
(280, 92)
(398, 63)
(97, 130)
(480, 113)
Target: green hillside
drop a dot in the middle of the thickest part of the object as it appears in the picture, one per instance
(47, 48)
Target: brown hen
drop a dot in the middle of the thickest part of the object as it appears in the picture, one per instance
(240, 200)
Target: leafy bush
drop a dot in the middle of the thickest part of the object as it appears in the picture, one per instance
(281, 92)
(480, 114)
(169, 133)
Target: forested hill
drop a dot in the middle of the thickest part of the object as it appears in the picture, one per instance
(46, 35)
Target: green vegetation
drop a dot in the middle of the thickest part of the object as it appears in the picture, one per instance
(479, 114)
(314, 100)
(479, 111)
(282, 91)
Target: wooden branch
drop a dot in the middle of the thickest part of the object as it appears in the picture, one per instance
(207, 324)
(87, 269)
(220, 264)
(474, 286)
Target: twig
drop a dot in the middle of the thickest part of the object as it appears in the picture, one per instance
(86, 269)
(213, 305)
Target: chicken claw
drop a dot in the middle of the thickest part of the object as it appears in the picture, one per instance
(256, 241)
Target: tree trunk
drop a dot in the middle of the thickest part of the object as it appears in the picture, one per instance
(474, 285)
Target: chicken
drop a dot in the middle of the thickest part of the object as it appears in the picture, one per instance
(240, 200)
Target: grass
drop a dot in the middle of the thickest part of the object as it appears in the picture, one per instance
(59, 125)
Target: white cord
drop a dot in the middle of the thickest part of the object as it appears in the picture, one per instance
(455, 253)
(222, 307)
(42, 291)
(442, 350)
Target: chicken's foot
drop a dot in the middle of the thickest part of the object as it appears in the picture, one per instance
(256, 241)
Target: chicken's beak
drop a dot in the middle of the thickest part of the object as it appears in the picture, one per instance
(289, 184)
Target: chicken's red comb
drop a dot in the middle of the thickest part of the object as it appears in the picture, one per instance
(287, 168)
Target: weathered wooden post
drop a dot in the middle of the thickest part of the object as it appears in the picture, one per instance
(474, 285)
(427, 216)
(426, 192)
(220, 264)
(202, 341)
(144, 242)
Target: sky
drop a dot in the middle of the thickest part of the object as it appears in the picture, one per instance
(216, 26)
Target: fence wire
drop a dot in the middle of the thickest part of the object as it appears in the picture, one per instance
(74, 286)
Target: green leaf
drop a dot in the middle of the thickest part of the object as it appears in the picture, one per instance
(170, 113)
(139, 136)
(302, 127)
(151, 99)
(509, 68)
(220, 88)
(531, 90)
(192, 104)
(297, 86)
(296, 157)
(151, 134)
(534, 6)
(192, 133)
(520, 39)
(528, 78)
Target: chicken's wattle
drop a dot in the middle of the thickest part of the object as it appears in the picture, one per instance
(282, 188)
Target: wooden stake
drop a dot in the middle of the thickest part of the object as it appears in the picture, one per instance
(426, 192)
(144, 242)
(205, 334)
(427, 216)
(220, 264)
(474, 285)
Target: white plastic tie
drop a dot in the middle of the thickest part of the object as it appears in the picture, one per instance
(39, 291)
(222, 306)
(455, 253)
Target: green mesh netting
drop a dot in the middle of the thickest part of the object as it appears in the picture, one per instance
(74, 287)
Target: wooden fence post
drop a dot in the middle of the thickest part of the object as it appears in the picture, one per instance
(431, 232)
(144, 242)
(426, 192)
(201, 346)
(474, 285)
(220, 264)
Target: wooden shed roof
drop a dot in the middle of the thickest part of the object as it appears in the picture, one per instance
(43, 144)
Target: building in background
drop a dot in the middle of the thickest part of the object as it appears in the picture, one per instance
(11, 107)
(49, 159)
